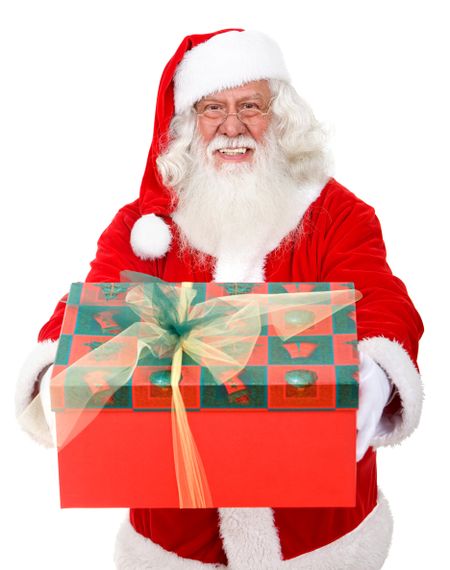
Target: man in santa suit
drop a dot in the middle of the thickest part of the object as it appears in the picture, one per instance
(237, 189)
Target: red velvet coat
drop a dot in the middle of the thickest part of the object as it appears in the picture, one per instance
(338, 239)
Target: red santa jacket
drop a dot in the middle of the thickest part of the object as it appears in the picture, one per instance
(338, 239)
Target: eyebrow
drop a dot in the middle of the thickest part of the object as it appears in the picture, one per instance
(254, 95)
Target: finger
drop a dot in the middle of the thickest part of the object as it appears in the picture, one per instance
(363, 391)
(365, 405)
(364, 437)
(45, 394)
(362, 444)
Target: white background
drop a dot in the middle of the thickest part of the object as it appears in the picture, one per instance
(78, 86)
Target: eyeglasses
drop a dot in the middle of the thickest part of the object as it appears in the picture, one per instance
(249, 113)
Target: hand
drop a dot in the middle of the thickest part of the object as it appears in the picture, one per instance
(44, 391)
(374, 392)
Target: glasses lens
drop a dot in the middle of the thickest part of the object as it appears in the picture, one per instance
(214, 114)
(249, 116)
(218, 115)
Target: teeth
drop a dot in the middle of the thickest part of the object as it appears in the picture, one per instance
(232, 151)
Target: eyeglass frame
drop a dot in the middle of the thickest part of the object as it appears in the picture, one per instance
(260, 113)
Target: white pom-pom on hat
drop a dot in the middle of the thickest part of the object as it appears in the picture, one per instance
(150, 237)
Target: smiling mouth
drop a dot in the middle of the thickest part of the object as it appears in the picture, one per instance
(234, 151)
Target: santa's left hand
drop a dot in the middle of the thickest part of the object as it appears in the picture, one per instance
(374, 393)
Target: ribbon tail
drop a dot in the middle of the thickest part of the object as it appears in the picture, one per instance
(193, 488)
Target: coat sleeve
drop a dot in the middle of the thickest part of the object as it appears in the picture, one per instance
(114, 254)
(389, 327)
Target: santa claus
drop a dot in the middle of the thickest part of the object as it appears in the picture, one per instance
(237, 188)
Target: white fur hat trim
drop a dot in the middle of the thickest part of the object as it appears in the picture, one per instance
(224, 61)
(150, 237)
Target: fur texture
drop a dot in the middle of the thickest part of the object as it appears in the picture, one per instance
(396, 362)
(135, 552)
(150, 237)
(251, 543)
(219, 64)
(365, 548)
(228, 268)
(231, 266)
(250, 538)
(238, 213)
(33, 420)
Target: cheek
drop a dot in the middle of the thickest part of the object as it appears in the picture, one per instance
(206, 132)
(259, 131)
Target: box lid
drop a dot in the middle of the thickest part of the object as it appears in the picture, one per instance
(316, 370)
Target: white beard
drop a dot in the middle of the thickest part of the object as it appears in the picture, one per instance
(238, 212)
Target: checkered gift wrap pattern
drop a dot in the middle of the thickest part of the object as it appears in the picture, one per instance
(314, 371)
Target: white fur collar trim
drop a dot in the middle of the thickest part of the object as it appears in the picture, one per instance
(239, 270)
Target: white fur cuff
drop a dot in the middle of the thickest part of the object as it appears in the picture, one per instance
(34, 422)
(396, 362)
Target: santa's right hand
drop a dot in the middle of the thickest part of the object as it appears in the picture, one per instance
(44, 393)
(33, 409)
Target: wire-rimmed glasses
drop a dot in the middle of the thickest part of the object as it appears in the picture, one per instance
(249, 112)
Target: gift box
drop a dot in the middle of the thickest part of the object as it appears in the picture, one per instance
(281, 432)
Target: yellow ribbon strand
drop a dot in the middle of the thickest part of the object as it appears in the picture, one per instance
(192, 482)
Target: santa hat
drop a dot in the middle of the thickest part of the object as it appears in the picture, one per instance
(203, 64)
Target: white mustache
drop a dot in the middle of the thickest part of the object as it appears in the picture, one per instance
(222, 141)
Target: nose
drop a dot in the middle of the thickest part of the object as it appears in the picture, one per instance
(232, 127)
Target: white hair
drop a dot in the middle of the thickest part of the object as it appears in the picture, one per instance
(300, 136)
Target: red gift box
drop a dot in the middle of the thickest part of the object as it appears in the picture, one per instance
(281, 433)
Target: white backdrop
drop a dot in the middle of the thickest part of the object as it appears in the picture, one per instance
(78, 86)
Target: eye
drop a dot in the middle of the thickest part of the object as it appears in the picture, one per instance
(250, 105)
(214, 107)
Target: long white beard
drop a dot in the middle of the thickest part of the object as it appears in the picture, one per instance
(240, 211)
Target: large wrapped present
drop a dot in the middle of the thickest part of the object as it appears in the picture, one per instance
(207, 394)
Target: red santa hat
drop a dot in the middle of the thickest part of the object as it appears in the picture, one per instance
(203, 64)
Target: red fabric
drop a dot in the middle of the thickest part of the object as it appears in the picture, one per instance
(303, 530)
(191, 533)
(339, 239)
(154, 196)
